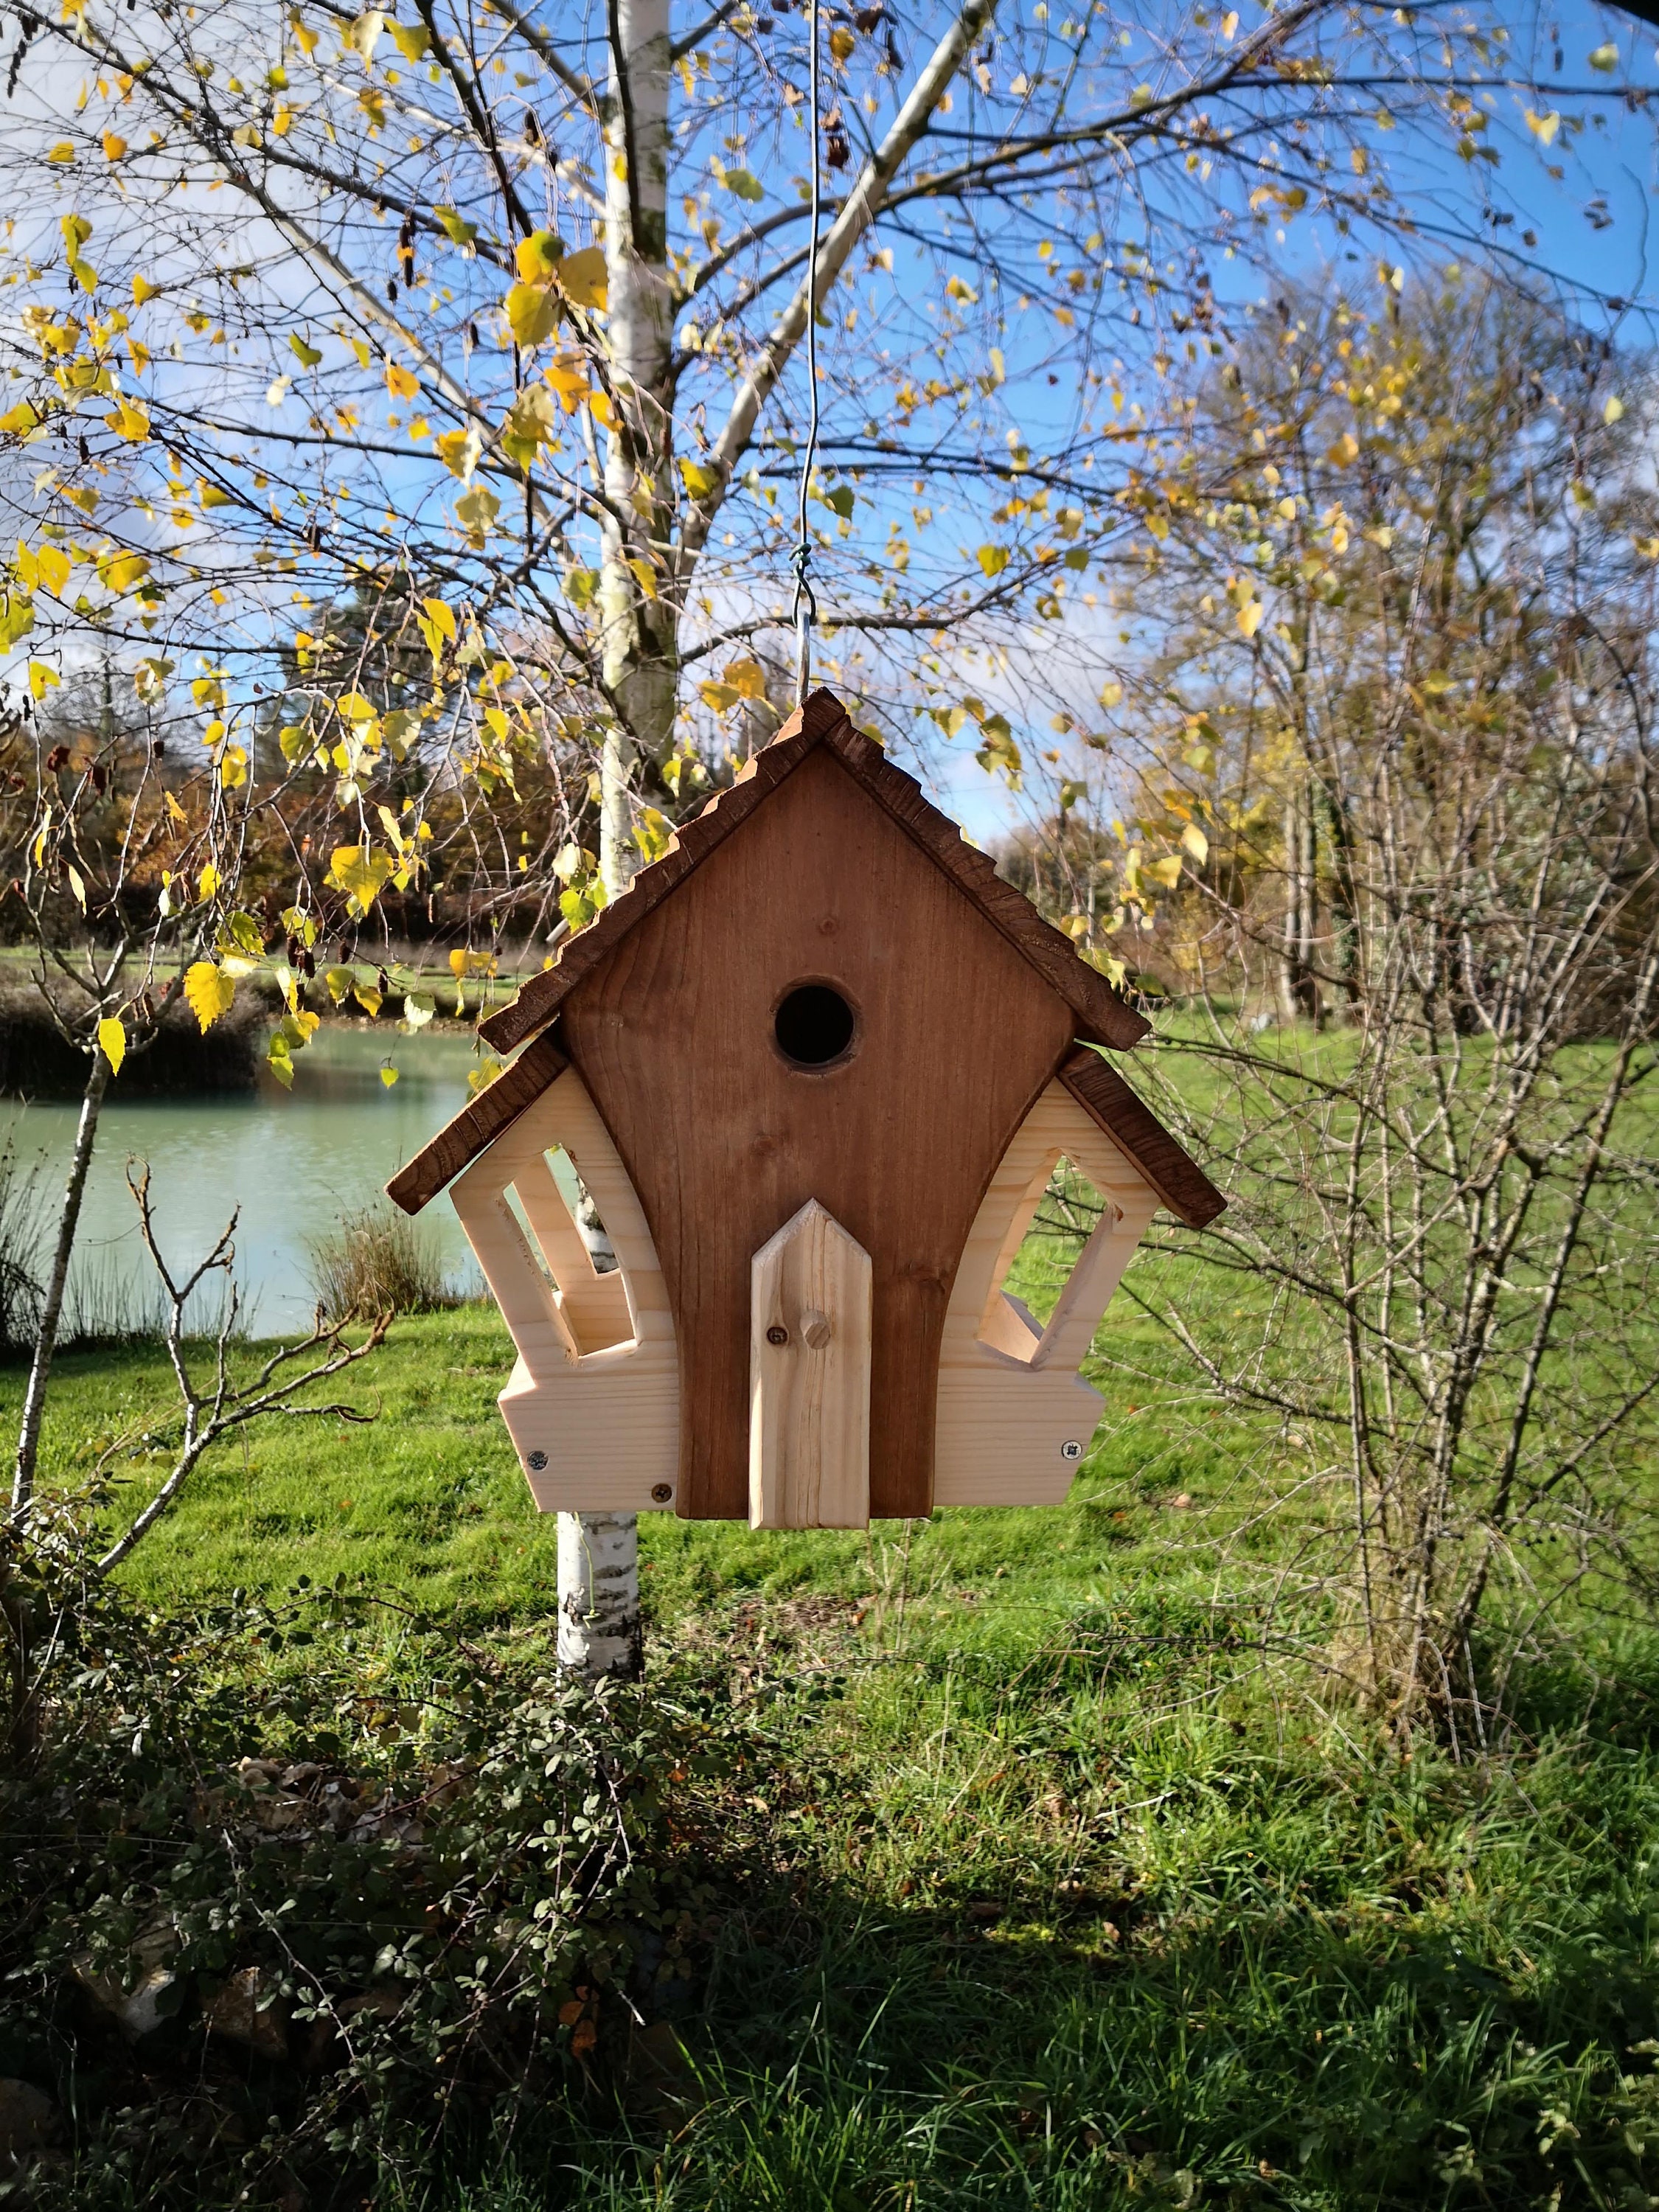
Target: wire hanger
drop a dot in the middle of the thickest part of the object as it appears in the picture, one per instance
(804, 610)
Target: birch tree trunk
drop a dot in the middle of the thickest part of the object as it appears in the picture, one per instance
(599, 1631)
(45, 1342)
(639, 605)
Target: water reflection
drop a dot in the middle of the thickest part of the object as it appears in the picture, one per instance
(293, 1161)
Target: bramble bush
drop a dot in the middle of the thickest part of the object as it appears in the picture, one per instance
(299, 1897)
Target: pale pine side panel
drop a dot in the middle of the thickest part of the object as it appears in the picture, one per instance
(1010, 1399)
(607, 1421)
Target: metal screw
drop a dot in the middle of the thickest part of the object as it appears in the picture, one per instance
(777, 1333)
(1071, 1448)
(661, 1493)
(536, 1462)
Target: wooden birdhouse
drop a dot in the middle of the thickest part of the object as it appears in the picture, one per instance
(814, 1070)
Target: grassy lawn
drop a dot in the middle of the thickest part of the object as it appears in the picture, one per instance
(1033, 1879)
(428, 1499)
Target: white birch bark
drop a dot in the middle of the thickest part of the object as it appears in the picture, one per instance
(599, 1631)
(46, 1342)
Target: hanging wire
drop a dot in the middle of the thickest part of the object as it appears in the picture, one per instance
(805, 610)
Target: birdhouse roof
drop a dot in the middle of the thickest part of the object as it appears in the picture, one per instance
(1102, 1016)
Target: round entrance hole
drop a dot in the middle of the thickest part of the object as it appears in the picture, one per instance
(814, 1025)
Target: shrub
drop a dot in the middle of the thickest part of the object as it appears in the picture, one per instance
(300, 1902)
(376, 1263)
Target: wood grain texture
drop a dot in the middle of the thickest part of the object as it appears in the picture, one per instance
(479, 1122)
(1010, 1399)
(808, 1377)
(540, 998)
(723, 1140)
(1171, 1169)
(822, 721)
(607, 1419)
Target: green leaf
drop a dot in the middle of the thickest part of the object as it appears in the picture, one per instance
(456, 227)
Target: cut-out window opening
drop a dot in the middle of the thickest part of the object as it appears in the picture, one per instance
(583, 1211)
(1046, 1241)
(515, 1205)
(813, 1025)
(585, 1284)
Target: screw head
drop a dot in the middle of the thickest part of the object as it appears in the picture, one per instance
(1071, 1448)
(661, 1493)
(777, 1333)
(536, 1462)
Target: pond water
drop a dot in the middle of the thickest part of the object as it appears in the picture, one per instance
(293, 1162)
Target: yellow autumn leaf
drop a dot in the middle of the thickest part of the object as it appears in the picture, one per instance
(124, 571)
(112, 1042)
(53, 564)
(747, 678)
(388, 1075)
(568, 379)
(142, 289)
(1194, 841)
(994, 559)
(440, 618)
(1612, 410)
(63, 152)
(113, 146)
(359, 872)
(130, 421)
(1249, 616)
(533, 313)
(842, 42)
(698, 480)
(582, 278)
(459, 451)
(360, 37)
(208, 992)
(1543, 127)
(1343, 452)
(1166, 871)
(401, 382)
(537, 258)
(42, 679)
(411, 39)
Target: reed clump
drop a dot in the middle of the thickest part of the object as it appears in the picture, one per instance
(376, 1262)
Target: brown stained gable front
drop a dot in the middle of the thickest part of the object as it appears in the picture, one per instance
(1097, 1012)
(822, 721)
(724, 1140)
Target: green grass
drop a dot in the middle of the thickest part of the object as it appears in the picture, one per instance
(428, 1498)
(1035, 1882)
